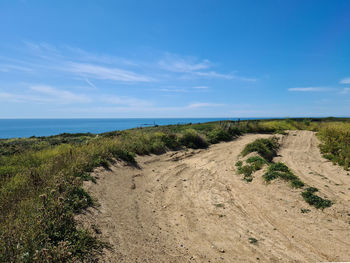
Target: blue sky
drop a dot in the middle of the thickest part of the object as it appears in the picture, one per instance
(74, 59)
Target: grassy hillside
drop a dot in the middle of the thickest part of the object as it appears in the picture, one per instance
(41, 178)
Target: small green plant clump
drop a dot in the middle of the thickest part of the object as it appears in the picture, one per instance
(254, 164)
(305, 210)
(253, 240)
(280, 170)
(239, 163)
(266, 148)
(314, 200)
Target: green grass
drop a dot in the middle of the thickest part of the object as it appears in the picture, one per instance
(280, 170)
(266, 148)
(239, 163)
(314, 200)
(335, 145)
(254, 164)
(192, 139)
(256, 161)
(305, 210)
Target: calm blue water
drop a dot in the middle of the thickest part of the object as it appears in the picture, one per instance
(15, 128)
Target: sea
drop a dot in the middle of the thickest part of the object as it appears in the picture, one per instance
(23, 128)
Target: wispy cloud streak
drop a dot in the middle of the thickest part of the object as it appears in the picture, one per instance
(345, 81)
(106, 73)
(309, 89)
(193, 68)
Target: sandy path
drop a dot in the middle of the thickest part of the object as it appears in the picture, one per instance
(190, 206)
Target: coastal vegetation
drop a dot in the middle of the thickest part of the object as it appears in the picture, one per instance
(314, 200)
(280, 170)
(41, 177)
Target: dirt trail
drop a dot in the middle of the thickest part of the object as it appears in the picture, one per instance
(191, 206)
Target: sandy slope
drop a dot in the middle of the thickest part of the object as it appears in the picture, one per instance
(191, 206)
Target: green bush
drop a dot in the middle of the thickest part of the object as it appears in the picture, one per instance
(239, 163)
(168, 140)
(266, 148)
(281, 167)
(280, 170)
(191, 139)
(315, 200)
(257, 162)
(254, 164)
(219, 135)
(246, 170)
(335, 145)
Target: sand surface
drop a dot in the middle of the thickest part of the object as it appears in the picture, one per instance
(191, 206)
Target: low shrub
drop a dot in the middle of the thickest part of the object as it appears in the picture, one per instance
(239, 163)
(266, 148)
(254, 164)
(218, 135)
(315, 200)
(191, 139)
(335, 145)
(280, 170)
(257, 162)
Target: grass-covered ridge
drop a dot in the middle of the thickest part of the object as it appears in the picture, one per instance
(41, 179)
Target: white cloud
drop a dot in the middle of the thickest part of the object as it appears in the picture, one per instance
(106, 73)
(203, 105)
(92, 85)
(176, 63)
(200, 87)
(171, 90)
(345, 91)
(59, 96)
(123, 100)
(9, 67)
(213, 74)
(345, 81)
(44, 94)
(309, 89)
(21, 98)
(82, 55)
(193, 67)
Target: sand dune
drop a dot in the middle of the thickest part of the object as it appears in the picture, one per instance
(191, 206)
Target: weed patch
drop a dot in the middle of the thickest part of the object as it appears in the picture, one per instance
(253, 240)
(253, 164)
(314, 200)
(280, 170)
